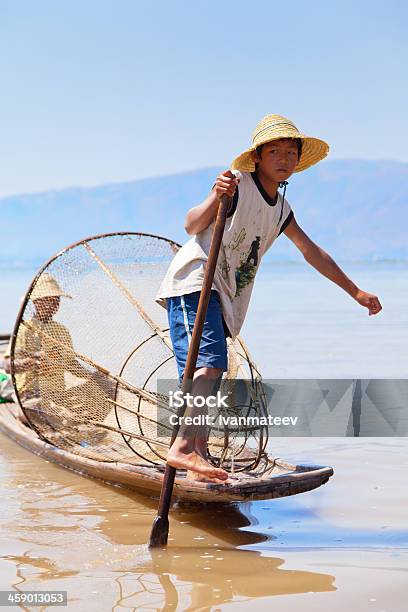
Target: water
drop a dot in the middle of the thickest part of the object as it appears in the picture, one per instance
(345, 544)
(14, 282)
(300, 324)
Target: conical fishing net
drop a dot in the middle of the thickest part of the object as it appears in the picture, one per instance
(91, 344)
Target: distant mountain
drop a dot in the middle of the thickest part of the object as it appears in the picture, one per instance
(354, 209)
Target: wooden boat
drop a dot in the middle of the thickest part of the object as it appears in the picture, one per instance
(280, 480)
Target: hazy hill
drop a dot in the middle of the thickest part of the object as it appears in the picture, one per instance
(354, 209)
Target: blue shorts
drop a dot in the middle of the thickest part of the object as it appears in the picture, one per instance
(181, 311)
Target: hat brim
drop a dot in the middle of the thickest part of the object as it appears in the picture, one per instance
(313, 151)
(41, 297)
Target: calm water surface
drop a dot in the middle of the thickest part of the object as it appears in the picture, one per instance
(343, 544)
(300, 324)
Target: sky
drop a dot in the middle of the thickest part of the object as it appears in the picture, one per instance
(98, 91)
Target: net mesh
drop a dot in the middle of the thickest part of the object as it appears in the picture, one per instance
(90, 345)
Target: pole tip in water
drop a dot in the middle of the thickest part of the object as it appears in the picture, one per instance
(159, 533)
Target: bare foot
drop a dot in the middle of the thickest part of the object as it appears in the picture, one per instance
(194, 463)
(200, 478)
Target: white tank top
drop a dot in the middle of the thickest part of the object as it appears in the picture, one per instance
(248, 234)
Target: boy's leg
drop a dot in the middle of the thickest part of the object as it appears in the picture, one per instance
(189, 450)
(205, 384)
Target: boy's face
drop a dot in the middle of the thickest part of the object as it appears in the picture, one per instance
(277, 159)
(46, 307)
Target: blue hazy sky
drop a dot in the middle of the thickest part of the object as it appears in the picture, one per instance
(95, 91)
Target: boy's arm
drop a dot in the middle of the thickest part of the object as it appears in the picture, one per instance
(201, 216)
(319, 259)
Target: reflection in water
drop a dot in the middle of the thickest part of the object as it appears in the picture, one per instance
(220, 575)
(183, 577)
(202, 567)
(44, 568)
(223, 521)
(27, 566)
(61, 531)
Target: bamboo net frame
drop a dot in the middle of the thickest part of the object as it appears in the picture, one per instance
(86, 369)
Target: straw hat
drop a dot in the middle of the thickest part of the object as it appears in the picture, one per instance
(47, 286)
(273, 127)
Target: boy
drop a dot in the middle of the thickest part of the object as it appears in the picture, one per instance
(258, 214)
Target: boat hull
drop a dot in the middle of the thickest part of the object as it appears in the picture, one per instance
(285, 478)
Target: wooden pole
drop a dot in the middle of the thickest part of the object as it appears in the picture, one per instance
(160, 529)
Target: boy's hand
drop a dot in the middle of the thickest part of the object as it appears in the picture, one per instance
(370, 301)
(226, 183)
